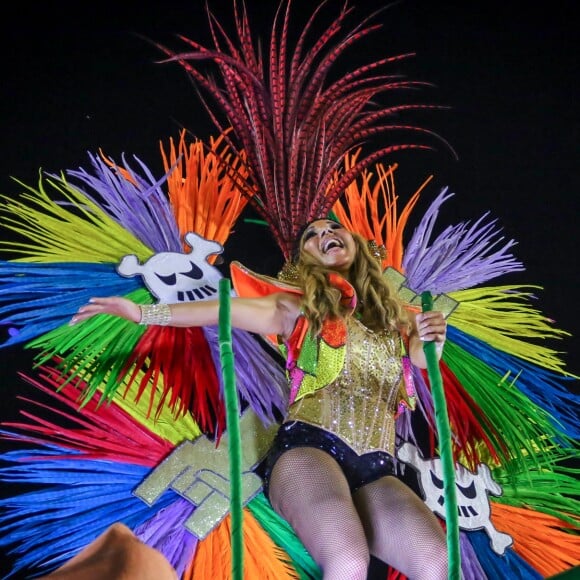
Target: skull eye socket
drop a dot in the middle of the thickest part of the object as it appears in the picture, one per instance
(195, 272)
(468, 491)
(436, 481)
(168, 280)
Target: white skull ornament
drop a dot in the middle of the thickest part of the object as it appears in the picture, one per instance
(173, 277)
(472, 494)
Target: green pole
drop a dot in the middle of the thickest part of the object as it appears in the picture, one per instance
(232, 427)
(445, 449)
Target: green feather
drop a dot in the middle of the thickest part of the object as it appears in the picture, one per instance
(95, 350)
(524, 428)
(284, 537)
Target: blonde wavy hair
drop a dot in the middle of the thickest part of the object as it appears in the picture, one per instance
(378, 304)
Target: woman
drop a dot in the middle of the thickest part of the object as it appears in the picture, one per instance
(330, 474)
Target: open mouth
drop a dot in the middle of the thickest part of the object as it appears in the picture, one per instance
(330, 244)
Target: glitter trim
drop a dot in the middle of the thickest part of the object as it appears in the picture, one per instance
(155, 314)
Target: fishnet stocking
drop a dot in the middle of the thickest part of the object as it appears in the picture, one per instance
(386, 519)
(309, 490)
(402, 530)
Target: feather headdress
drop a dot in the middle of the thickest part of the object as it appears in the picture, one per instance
(294, 117)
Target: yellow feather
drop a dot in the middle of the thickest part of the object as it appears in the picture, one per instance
(59, 235)
(502, 317)
(175, 429)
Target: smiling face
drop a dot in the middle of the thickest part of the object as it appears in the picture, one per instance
(330, 244)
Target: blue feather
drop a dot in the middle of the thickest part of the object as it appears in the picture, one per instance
(543, 387)
(89, 495)
(31, 294)
(510, 565)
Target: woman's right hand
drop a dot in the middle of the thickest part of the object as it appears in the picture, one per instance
(114, 305)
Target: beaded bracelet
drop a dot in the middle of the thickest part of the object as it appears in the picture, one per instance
(158, 314)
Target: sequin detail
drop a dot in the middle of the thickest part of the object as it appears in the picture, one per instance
(360, 404)
(411, 400)
(359, 470)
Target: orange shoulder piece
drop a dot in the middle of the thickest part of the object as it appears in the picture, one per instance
(248, 284)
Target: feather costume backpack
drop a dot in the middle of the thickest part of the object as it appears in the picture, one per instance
(135, 415)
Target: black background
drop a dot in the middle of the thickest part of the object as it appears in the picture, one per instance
(77, 78)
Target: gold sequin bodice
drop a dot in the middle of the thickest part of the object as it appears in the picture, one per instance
(359, 406)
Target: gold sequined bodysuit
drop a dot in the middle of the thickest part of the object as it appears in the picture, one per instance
(360, 405)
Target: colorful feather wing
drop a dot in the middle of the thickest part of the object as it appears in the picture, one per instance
(125, 222)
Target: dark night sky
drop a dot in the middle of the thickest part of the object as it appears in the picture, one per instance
(77, 78)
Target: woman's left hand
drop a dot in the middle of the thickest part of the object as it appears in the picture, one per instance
(431, 326)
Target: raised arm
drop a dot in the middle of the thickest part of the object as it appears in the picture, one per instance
(272, 314)
(429, 325)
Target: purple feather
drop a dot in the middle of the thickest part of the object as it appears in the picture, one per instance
(470, 566)
(260, 378)
(462, 256)
(138, 204)
(166, 532)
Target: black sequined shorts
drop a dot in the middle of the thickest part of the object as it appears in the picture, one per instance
(358, 469)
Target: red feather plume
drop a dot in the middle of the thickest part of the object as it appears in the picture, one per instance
(160, 353)
(473, 432)
(294, 124)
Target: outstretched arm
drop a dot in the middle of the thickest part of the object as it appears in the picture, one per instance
(272, 314)
(427, 326)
